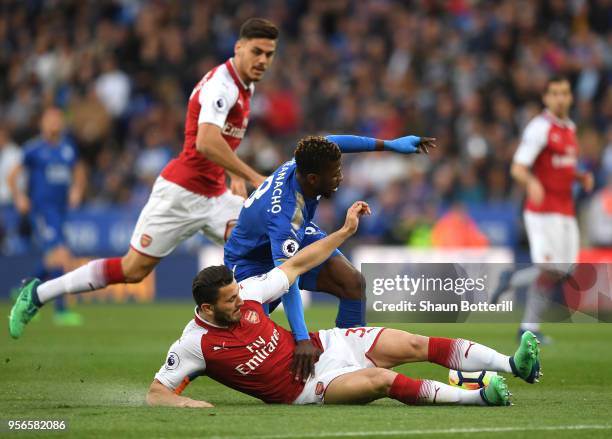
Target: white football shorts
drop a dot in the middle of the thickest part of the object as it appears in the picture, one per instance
(554, 239)
(344, 351)
(174, 214)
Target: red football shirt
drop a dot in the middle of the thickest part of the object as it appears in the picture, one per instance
(549, 147)
(222, 99)
(253, 356)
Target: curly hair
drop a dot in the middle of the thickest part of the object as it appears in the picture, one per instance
(313, 153)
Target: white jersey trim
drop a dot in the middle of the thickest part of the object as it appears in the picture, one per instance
(217, 97)
(534, 140)
(184, 357)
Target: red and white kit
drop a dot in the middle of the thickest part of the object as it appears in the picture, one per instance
(190, 195)
(254, 356)
(550, 149)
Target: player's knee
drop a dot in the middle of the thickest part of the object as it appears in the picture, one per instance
(381, 380)
(353, 285)
(418, 346)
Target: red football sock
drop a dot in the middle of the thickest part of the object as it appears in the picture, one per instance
(113, 273)
(442, 351)
(405, 389)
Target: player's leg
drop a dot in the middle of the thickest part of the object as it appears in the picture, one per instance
(547, 242)
(166, 220)
(58, 261)
(394, 347)
(367, 385)
(337, 276)
(222, 214)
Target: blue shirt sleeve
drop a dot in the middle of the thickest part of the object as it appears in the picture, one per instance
(348, 143)
(285, 242)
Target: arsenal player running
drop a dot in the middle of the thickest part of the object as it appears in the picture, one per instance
(234, 342)
(545, 164)
(190, 195)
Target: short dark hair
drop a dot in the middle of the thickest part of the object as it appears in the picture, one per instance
(258, 28)
(206, 284)
(315, 152)
(556, 79)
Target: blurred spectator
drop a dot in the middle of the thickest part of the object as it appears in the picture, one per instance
(10, 156)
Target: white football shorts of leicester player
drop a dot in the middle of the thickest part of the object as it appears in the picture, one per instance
(173, 213)
(553, 237)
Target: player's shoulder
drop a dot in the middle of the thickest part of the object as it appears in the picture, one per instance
(191, 339)
(220, 81)
(540, 122)
(33, 145)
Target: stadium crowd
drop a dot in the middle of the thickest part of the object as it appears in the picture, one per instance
(469, 73)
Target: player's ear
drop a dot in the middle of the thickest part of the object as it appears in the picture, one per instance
(238, 46)
(206, 308)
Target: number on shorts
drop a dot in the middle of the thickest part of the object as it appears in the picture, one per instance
(362, 331)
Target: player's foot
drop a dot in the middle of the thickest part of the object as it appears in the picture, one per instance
(67, 318)
(543, 339)
(502, 286)
(496, 393)
(526, 360)
(24, 308)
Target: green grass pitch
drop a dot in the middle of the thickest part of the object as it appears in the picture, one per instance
(96, 376)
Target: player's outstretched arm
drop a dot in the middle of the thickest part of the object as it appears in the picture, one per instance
(211, 143)
(160, 395)
(316, 253)
(402, 145)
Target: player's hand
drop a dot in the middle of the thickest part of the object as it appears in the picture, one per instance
(22, 204)
(587, 181)
(411, 144)
(195, 404)
(356, 211)
(305, 356)
(238, 186)
(535, 191)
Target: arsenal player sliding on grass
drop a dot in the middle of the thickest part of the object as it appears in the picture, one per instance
(232, 341)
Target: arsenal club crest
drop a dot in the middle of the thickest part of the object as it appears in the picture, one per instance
(251, 317)
(145, 240)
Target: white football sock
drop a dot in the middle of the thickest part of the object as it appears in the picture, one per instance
(88, 277)
(473, 357)
(524, 277)
(435, 392)
(536, 304)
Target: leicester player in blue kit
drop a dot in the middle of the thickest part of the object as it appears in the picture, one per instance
(56, 180)
(276, 221)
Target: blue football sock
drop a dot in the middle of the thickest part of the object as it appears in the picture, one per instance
(59, 304)
(351, 313)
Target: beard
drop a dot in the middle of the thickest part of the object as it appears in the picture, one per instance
(225, 319)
